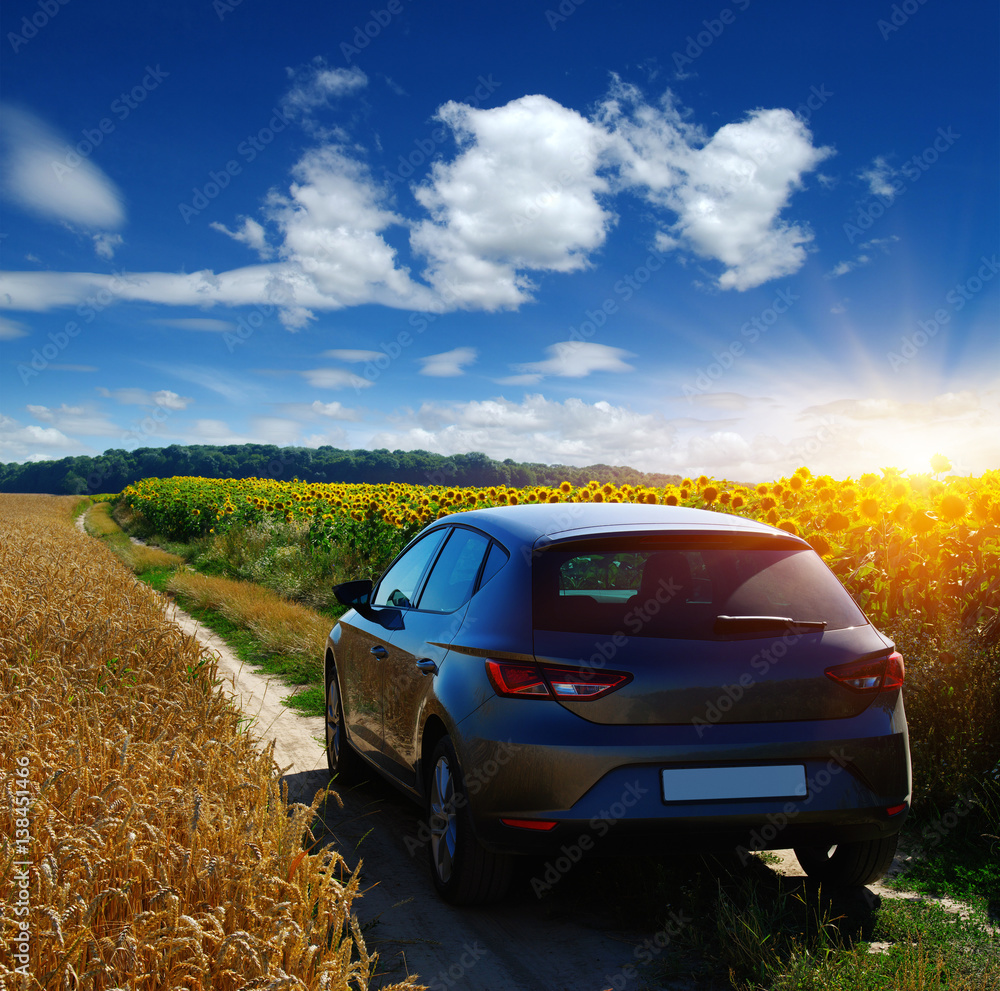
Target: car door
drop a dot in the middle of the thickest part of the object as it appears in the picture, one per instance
(417, 646)
(364, 643)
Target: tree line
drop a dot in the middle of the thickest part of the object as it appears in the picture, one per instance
(116, 468)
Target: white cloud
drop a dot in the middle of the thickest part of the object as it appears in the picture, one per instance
(352, 354)
(528, 192)
(314, 85)
(879, 176)
(729, 401)
(572, 359)
(106, 244)
(18, 441)
(230, 387)
(537, 429)
(334, 411)
(448, 364)
(521, 195)
(250, 233)
(204, 324)
(862, 258)
(335, 378)
(945, 406)
(80, 420)
(11, 329)
(728, 190)
(45, 175)
(163, 398)
(263, 430)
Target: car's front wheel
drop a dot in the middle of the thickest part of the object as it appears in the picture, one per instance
(465, 872)
(340, 756)
(848, 865)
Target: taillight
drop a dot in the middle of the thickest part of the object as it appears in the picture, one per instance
(518, 679)
(871, 675)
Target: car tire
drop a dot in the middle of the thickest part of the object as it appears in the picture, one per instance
(464, 871)
(341, 758)
(847, 865)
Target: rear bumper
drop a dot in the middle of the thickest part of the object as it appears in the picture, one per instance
(610, 796)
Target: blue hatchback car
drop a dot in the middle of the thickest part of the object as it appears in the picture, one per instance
(626, 676)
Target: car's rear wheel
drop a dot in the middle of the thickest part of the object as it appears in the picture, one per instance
(340, 756)
(848, 864)
(464, 871)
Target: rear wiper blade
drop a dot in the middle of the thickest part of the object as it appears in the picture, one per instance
(724, 624)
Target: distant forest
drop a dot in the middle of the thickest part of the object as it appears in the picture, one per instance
(114, 469)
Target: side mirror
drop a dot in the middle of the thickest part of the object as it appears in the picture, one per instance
(356, 594)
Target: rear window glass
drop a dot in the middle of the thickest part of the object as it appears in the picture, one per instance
(678, 593)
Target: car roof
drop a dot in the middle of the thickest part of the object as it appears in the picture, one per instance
(568, 520)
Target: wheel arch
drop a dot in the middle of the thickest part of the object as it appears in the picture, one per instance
(434, 730)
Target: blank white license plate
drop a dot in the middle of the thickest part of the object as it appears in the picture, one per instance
(697, 784)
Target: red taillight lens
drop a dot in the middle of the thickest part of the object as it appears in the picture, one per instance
(895, 671)
(518, 679)
(543, 825)
(873, 675)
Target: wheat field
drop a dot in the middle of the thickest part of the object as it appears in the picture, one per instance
(148, 844)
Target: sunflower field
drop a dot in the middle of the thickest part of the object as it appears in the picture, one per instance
(913, 545)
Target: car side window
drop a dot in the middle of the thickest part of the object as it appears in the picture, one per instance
(495, 560)
(453, 578)
(399, 584)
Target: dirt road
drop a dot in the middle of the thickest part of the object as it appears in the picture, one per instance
(522, 945)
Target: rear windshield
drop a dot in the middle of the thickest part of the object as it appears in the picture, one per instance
(679, 592)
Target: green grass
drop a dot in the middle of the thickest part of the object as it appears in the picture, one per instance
(308, 698)
(308, 695)
(956, 851)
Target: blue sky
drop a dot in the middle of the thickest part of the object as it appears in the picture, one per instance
(704, 237)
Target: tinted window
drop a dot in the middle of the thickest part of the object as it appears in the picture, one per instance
(678, 592)
(453, 578)
(399, 583)
(495, 560)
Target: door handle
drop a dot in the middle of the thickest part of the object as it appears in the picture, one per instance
(427, 666)
(379, 652)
